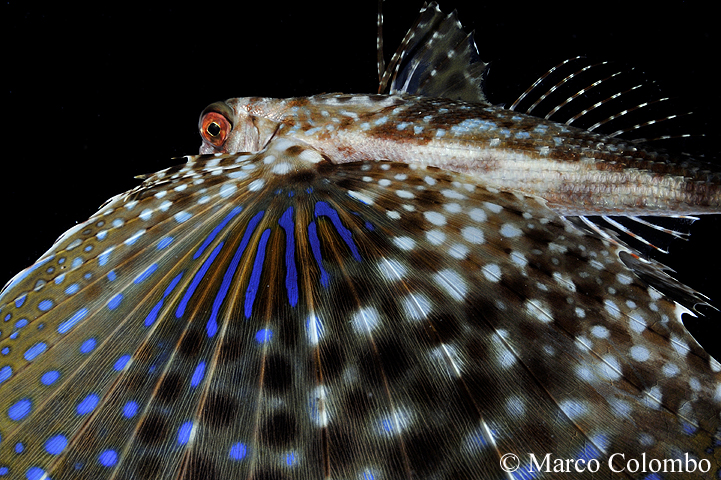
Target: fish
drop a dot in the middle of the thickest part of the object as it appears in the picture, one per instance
(362, 242)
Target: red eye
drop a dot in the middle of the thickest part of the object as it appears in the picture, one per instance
(215, 128)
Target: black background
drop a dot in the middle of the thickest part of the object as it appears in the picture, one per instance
(92, 96)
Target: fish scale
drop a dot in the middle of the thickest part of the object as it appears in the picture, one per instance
(289, 314)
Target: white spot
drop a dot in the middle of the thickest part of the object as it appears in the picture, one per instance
(182, 216)
(361, 197)
(392, 214)
(452, 283)
(268, 159)
(670, 369)
(165, 206)
(435, 236)
(509, 230)
(610, 369)
(416, 306)
(472, 235)
(478, 215)
(404, 243)
(623, 279)
(435, 218)
(314, 330)
(640, 353)
(447, 358)
(180, 188)
(493, 207)
(573, 408)
(430, 180)
(134, 238)
(146, 214)
(637, 323)
(653, 398)
(452, 208)
(282, 168)
(395, 423)
(449, 193)
(564, 281)
(538, 310)
(405, 194)
(599, 331)
(516, 406)
(492, 272)
(319, 406)
(256, 185)
(519, 259)
(227, 190)
(392, 269)
(458, 250)
(612, 309)
(365, 320)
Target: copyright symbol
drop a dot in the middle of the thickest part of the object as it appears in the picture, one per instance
(510, 462)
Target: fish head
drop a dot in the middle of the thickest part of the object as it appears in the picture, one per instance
(237, 125)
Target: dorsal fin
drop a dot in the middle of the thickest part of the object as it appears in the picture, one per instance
(436, 59)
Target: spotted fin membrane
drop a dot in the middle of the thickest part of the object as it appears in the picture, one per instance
(277, 315)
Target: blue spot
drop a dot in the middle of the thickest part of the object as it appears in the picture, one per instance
(255, 274)
(88, 248)
(4, 471)
(20, 300)
(88, 404)
(21, 323)
(291, 276)
(523, 135)
(77, 262)
(19, 448)
(45, 305)
(369, 226)
(368, 475)
(121, 363)
(72, 321)
(290, 459)
(212, 325)
(59, 279)
(653, 476)
(196, 280)
(103, 257)
(589, 452)
(108, 458)
(50, 377)
(153, 315)
(35, 473)
(5, 350)
(164, 242)
(56, 444)
(688, 429)
(184, 432)
(88, 276)
(72, 289)
(112, 276)
(322, 208)
(32, 352)
(19, 409)
(115, 301)
(263, 335)
(238, 451)
(315, 248)
(130, 409)
(5, 373)
(216, 230)
(198, 375)
(148, 272)
(88, 346)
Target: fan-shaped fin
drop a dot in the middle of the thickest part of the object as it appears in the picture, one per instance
(269, 314)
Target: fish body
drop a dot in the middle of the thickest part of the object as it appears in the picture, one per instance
(313, 302)
(576, 171)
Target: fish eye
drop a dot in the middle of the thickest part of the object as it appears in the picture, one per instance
(215, 128)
